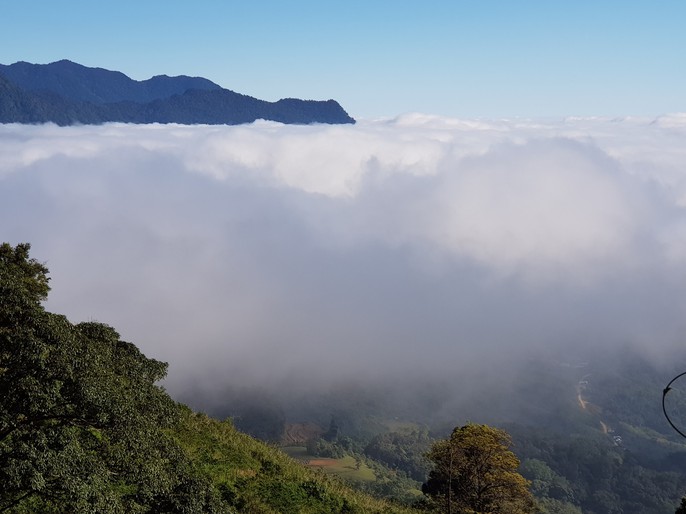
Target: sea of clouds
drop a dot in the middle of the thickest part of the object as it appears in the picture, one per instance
(418, 244)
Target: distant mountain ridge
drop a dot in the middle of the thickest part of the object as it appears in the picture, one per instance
(96, 85)
(68, 93)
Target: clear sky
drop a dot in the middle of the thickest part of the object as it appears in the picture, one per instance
(462, 58)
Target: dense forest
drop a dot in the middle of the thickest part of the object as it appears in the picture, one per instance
(86, 427)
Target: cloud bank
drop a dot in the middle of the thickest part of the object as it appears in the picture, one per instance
(418, 245)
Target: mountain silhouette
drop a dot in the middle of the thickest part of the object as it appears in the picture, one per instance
(68, 93)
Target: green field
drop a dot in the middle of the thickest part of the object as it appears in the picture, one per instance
(347, 467)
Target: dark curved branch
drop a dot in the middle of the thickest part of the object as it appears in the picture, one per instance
(664, 409)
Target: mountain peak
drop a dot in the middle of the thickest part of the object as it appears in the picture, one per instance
(97, 95)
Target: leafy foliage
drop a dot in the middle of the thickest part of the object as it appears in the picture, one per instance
(474, 471)
(322, 448)
(257, 478)
(85, 428)
(81, 418)
(594, 474)
(402, 450)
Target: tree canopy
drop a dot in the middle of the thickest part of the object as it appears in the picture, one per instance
(475, 472)
(81, 417)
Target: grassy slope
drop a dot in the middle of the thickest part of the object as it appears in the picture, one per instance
(345, 467)
(258, 478)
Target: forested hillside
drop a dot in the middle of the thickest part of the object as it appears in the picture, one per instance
(589, 431)
(84, 427)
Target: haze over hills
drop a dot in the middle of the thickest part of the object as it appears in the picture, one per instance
(67, 93)
(384, 276)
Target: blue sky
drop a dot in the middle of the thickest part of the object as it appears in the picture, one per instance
(478, 58)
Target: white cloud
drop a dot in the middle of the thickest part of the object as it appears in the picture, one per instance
(281, 248)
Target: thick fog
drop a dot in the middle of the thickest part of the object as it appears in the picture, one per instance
(303, 256)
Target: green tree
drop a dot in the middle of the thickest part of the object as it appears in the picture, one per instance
(404, 450)
(545, 483)
(552, 506)
(82, 421)
(475, 472)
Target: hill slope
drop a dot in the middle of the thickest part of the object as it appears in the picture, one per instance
(84, 427)
(254, 477)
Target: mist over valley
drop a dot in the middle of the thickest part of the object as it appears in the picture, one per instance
(305, 257)
(355, 293)
(393, 254)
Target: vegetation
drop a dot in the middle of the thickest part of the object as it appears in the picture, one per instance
(85, 428)
(258, 478)
(81, 419)
(474, 471)
(618, 454)
(594, 474)
(404, 450)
